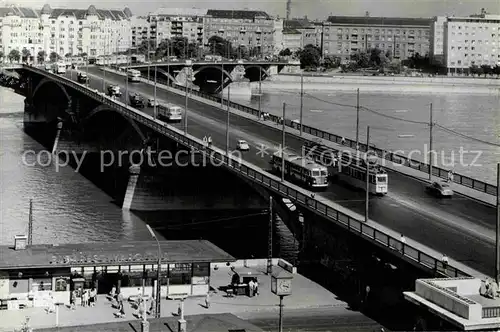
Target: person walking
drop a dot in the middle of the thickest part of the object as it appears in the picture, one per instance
(205, 140)
(207, 301)
(209, 141)
(403, 243)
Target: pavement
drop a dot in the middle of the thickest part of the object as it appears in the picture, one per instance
(307, 296)
(462, 228)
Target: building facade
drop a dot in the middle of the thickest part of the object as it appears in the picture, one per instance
(436, 43)
(65, 31)
(292, 39)
(469, 41)
(253, 29)
(401, 37)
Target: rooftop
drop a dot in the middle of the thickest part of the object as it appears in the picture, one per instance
(112, 253)
(289, 31)
(18, 11)
(195, 323)
(180, 12)
(393, 21)
(300, 23)
(237, 14)
(57, 12)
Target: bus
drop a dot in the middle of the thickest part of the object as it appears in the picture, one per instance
(301, 170)
(349, 168)
(170, 112)
(59, 68)
(133, 75)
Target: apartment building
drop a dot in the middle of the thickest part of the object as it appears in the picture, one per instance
(65, 31)
(401, 37)
(253, 29)
(169, 23)
(473, 40)
(140, 30)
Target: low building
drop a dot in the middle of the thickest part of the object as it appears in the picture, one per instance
(401, 37)
(32, 275)
(469, 304)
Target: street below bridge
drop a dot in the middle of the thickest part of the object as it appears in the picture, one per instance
(461, 228)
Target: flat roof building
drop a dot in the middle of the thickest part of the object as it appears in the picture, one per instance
(29, 276)
(401, 37)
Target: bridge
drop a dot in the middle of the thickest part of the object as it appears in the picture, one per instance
(212, 76)
(325, 220)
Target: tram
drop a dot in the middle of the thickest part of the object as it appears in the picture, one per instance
(302, 170)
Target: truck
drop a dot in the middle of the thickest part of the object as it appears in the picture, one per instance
(137, 101)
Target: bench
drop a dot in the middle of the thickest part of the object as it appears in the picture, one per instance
(177, 296)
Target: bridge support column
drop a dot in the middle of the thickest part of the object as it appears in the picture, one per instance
(131, 187)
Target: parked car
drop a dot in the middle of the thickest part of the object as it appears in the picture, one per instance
(440, 189)
(242, 145)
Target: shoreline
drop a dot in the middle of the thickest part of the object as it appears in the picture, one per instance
(408, 85)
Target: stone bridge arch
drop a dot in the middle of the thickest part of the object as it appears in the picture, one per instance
(105, 108)
(47, 80)
(256, 68)
(219, 68)
(166, 74)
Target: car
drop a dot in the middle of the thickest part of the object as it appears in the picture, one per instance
(441, 189)
(153, 103)
(82, 78)
(114, 90)
(242, 145)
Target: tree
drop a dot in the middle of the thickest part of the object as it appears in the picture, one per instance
(41, 56)
(2, 55)
(54, 56)
(496, 69)
(163, 48)
(25, 54)
(310, 56)
(361, 58)
(486, 69)
(68, 55)
(331, 62)
(14, 55)
(220, 46)
(143, 47)
(242, 52)
(395, 66)
(285, 52)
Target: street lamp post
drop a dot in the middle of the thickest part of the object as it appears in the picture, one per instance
(186, 102)
(87, 67)
(281, 285)
(155, 108)
(430, 142)
(148, 59)
(497, 263)
(158, 274)
(283, 145)
(357, 121)
(227, 122)
(301, 100)
(104, 67)
(367, 162)
(260, 91)
(222, 86)
(168, 64)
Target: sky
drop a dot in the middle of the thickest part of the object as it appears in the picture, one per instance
(314, 9)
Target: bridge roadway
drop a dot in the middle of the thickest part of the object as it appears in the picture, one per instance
(460, 227)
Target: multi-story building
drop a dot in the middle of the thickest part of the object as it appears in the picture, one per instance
(292, 39)
(473, 40)
(309, 32)
(140, 30)
(20, 29)
(436, 51)
(401, 37)
(253, 29)
(65, 31)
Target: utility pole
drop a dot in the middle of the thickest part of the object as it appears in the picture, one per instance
(367, 197)
(430, 143)
(168, 63)
(227, 121)
(260, 91)
(148, 60)
(126, 72)
(270, 238)
(357, 123)
(87, 67)
(222, 86)
(186, 107)
(155, 109)
(301, 100)
(104, 68)
(283, 145)
(30, 224)
(497, 270)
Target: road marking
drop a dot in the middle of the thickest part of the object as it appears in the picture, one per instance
(316, 111)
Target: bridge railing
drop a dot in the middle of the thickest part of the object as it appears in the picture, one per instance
(271, 182)
(459, 179)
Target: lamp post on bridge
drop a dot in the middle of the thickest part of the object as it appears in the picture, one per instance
(158, 274)
(497, 260)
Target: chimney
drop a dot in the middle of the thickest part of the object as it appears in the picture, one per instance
(20, 242)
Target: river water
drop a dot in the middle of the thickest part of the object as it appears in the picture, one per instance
(400, 122)
(69, 207)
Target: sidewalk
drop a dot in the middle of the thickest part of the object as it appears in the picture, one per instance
(413, 173)
(305, 294)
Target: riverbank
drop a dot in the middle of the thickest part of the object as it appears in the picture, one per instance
(392, 84)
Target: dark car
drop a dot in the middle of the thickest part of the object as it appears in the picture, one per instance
(440, 189)
(82, 78)
(137, 101)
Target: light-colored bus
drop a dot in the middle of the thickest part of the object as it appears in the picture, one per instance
(171, 113)
(133, 75)
(300, 169)
(59, 68)
(350, 168)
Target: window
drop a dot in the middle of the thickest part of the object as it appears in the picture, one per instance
(201, 269)
(180, 274)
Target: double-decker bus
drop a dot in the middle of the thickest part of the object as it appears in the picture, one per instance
(170, 112)
(133, 75)
(301, 169)
(350, 168)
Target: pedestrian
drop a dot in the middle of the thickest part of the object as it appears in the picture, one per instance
(73, 300)
(179, 310)
(403, 242)
(205, 140)
(256, 286)
(342, 141)
(251, 286)
(450, 176)
(207, 300)
(210, 141)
